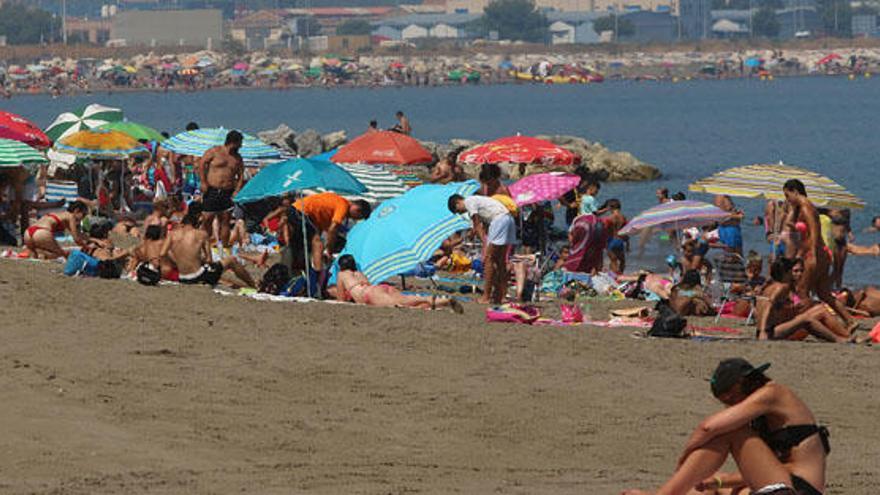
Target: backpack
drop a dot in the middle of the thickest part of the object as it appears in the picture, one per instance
(147, 274)
(668, 323)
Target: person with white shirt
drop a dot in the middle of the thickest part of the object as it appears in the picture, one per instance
(497, 229)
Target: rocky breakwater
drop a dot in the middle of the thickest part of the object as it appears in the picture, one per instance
(608, 165)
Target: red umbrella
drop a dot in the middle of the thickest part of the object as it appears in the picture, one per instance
(16, 127)
(519, 149)
(383, 148)
(828, 58)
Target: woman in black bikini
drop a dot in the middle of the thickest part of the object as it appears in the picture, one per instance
(768, 430)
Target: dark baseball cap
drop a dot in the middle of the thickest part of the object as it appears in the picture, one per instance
(730, 371)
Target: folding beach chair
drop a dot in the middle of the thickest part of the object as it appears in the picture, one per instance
(57, 190)
(731, 269)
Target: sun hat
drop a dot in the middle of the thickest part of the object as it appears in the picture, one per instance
(730, 371)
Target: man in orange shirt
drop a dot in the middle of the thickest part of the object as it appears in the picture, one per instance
(324, 214)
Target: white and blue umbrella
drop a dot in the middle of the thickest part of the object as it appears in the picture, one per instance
(405, 231)
(298, 175)
(199, 141)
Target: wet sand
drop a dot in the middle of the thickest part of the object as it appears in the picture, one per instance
(111, 387)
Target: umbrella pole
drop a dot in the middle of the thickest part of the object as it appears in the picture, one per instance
(307, 265)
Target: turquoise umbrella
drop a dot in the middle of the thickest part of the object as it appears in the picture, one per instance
(297, 175)
(405, 231)
(197, 142)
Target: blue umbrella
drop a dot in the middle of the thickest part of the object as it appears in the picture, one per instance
(197, 142)
(298, 174)
(405, 231)
(753, 62)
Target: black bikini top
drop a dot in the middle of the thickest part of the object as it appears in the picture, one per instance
(781, 441)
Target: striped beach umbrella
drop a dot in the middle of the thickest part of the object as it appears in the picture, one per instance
(15, 153)
(197, 142)
(88, 117)
(405, 231)
(675, 215)
(100, 144)
(766, 181)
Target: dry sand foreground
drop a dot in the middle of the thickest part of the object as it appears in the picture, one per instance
(110, 387)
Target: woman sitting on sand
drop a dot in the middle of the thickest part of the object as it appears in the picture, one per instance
(687, 297)
(39, 238)
(352, 285)
(783, 316)
(767, 429)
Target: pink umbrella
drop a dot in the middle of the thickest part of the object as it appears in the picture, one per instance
(240, 66)
(542, 187)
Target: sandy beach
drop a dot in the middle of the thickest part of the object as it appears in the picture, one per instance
(112, 387)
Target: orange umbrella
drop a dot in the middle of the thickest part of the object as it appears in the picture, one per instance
(383, 148)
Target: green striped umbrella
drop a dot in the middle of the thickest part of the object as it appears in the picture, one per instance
(15, 153)
(135, 130)
(88, 117)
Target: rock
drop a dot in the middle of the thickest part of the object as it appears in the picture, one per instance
(615, 166)
(282, 136)
(308, 143)
(333, 140)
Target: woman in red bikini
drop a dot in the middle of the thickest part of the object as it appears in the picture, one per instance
(352, 285)
(39, 238)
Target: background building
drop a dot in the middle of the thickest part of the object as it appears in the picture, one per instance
(197, 28)
(420, 26)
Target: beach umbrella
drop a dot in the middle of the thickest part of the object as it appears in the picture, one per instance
(380, 183)
(384, 148)
(675, 215)
(197, 142)
(828, 59)
(14, 153)
(16, 127)
(135, 130)
(766, 181)
(753, 62)
(191, 71)
(100, 144)
(297, 175)
(542, 187)
(519, 149)
(405, 231)
(87, 117)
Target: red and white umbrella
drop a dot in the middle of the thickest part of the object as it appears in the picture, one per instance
(519, 149)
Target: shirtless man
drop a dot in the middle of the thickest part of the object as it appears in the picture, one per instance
(447, 170)
(817, 259)
(402, 126)
(190, 248)
(221, 171)
(150, 251)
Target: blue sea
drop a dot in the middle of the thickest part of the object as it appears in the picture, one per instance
(689, 130)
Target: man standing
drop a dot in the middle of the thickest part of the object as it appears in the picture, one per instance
(190, 248)
(324, 214)
(221, 171)
(501, 234)
(816, 255)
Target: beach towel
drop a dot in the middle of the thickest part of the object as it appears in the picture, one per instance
(588, 240)
(57, 190)
(512, 313)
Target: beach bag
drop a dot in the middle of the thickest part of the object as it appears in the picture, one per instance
(571, 313)
(512, 313)
(668, 323)
(79, 263)
(508, 203)
(147, 274)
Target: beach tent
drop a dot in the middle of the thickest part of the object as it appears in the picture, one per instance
(87, 117)
(383, 148)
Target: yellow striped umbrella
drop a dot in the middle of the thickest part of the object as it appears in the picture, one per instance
(765, 181)
(100, 144)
